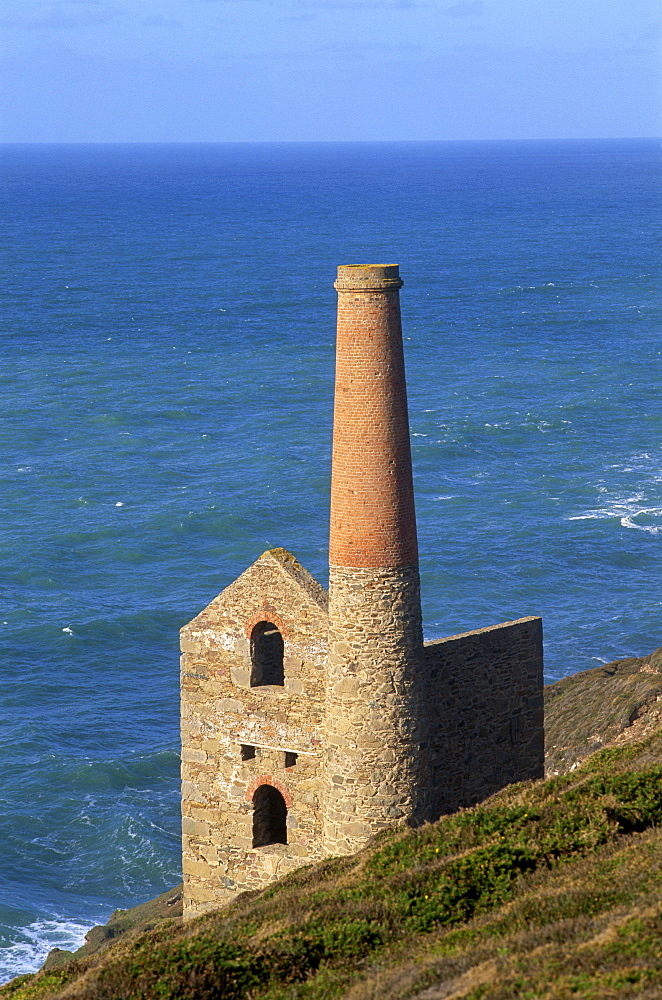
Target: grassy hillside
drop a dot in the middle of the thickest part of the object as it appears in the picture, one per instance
(548, 890)
(610, 705)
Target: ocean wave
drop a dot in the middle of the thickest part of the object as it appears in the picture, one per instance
(644, 520)
(648, 519)
(529, 288)
(28, 946)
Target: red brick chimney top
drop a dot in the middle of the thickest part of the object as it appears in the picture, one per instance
(368, 277)
(373, 523)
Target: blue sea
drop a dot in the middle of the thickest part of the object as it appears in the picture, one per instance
(166, 384)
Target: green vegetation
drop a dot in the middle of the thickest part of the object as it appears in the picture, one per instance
(123, 923)
(547, 890)
(592, 708)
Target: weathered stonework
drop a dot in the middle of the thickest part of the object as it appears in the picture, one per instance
(374, 770)
(309, 724)
(484, 712)
(222, 713)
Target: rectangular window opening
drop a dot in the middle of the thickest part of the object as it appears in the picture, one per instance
(290, 758)
(247, 752)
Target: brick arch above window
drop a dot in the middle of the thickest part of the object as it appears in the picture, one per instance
(266, 614)
(267, 779)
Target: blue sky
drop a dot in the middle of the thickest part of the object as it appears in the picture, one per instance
(272, 70)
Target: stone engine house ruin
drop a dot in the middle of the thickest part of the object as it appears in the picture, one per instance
(310, 721)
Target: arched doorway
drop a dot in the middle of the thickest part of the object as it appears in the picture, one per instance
(267, 649)
(269, 817)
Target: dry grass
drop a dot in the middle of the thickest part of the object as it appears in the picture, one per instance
(547, 890)
(619, 702)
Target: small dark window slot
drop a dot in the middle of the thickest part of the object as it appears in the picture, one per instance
(247, 752)
(290, 758)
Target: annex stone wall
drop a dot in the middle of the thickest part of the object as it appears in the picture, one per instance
(485, 712)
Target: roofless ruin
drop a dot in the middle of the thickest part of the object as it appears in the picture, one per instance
(310, 721)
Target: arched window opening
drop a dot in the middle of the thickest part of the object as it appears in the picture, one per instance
(269, 817)
(267, 655)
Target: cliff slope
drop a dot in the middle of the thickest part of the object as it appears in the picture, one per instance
(549, 890)
(612, 705)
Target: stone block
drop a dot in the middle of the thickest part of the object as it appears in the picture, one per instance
(242, 647)
(200, 893)
(241, 676)
(195, 827)
(230, 706)
(355, 830)
(189, 791)
(197, 869)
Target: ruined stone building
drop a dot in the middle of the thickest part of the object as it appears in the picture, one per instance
(310, 721)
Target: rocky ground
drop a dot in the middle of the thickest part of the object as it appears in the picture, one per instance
(612, 705)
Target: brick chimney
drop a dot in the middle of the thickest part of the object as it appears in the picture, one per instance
(374, 771)
(373, 523)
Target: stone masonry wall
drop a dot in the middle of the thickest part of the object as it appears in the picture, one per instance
(485, 712)
(373, 765)
(221, 712)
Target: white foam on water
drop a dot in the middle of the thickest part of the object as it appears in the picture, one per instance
(627, 516)
(594, 515)
(34, 941)
(653, 529)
